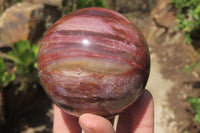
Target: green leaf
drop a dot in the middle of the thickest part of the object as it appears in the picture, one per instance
(197, 117)
(188, 15)
(24, 56)
(23, 53)
(188, 38)
(13, 57)
(2, 65)
(5, 77)
(180, 16)
(195, 104)
(187, 69)
(21, 46)
(35, 49)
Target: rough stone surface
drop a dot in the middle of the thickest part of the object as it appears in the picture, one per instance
(163, 13)
(164, 17)
(16, 22)
(161, 24)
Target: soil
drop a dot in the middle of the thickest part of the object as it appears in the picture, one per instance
(33, 116)
(173, 60)
(169, 84)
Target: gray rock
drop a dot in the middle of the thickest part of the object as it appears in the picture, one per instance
(160, 29)
(16, 22)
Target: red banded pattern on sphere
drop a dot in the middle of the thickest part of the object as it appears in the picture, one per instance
(93, 60)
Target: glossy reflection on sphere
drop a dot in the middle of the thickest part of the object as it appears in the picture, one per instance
(93, 60)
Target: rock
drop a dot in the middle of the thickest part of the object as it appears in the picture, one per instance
(20, 22)
(3, 5)
(163, 14)
(160, 29)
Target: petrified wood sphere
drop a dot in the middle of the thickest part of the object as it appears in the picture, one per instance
(93, 60)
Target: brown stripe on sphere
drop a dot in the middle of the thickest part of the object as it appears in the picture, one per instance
(99, 41)
(63, 49)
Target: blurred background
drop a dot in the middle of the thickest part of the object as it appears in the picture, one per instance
(171, 28)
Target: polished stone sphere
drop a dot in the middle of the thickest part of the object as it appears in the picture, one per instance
(93, 60)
